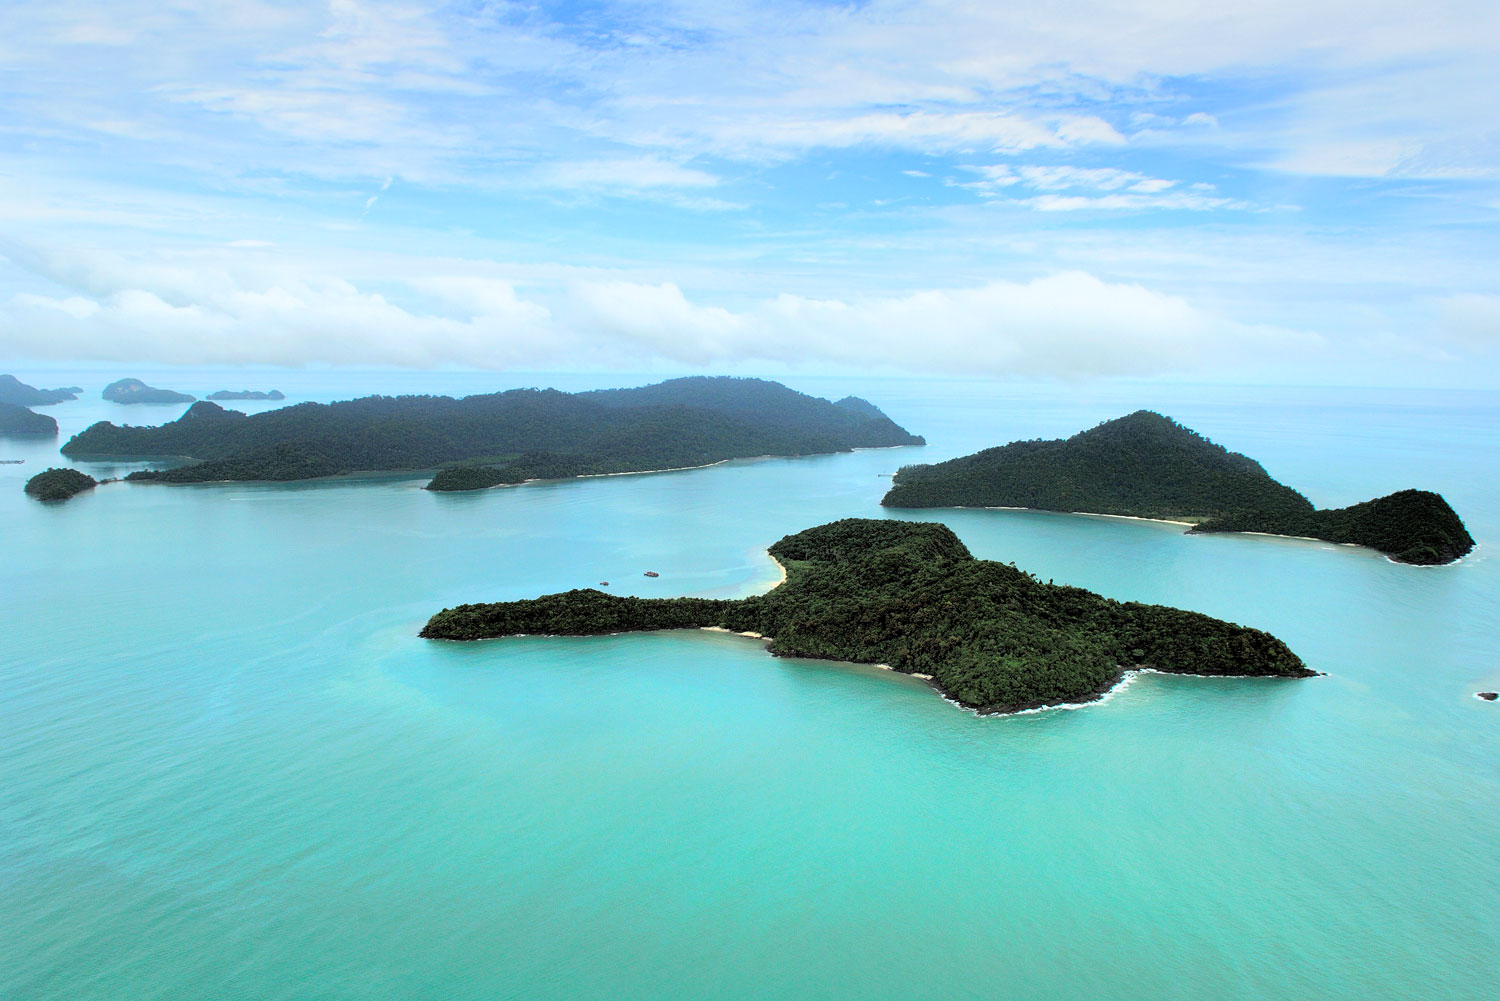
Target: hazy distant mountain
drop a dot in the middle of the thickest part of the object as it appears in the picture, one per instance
(523, 433)
(14, 391)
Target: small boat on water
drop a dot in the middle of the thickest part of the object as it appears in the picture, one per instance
(652, 573)
(11, 462)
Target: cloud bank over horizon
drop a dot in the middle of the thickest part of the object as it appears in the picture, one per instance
(945, 186)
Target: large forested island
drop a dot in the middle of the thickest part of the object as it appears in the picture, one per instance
(910, 596)
(502, 437)
(1145, 465)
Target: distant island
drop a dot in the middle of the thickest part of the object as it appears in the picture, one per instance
(59, 484)
(1145, 465)
(20, 420)
(911, 597)
(502, 437)
(17, 393)
(246, 394)
(136, 391)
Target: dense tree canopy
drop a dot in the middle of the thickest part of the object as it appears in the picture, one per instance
(1142, 464)
(59, 484)
(525, 433)
(1410, 526)
(911, 596)
(1149, 466)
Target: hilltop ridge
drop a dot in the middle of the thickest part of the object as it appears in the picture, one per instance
(515, 435)
(1147, 465)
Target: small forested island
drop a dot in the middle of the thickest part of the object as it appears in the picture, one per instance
(17, 393)
(59, 484)
(910, 596)
(20, 420)
(505, 437)
(1145, 465)
(246, 394)
(136, 391)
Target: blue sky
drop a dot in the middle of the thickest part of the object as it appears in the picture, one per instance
(1300, 191)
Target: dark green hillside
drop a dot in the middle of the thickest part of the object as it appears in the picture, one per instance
(910, 595)
(19, 420)
(1149, 466)
(456, 478)
(859, 406)
(1143, 464)
(1410, 526)
(17, 393)
(59, 484)
(526, 433)
(769, 405)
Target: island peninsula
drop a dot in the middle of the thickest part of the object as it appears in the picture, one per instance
(23, 420)
(1145, 465)
(509, 437)
(910, 596)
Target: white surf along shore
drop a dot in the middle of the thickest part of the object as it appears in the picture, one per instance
(1194, 524)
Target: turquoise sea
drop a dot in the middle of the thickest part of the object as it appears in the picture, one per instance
(230, 769)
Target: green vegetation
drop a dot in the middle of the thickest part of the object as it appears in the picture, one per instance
(1144, 465)
(1149, 466)
(17, 393)
(1410, 526)
(59, 484)
(19, 420)
(136, 391)
(519, 435)
(246, 394)
(910, 595)
(471, 478)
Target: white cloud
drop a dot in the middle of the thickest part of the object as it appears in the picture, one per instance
(1108, 189)
(272, 311)
(1471, 319)
(1138, 199)
(634, 172)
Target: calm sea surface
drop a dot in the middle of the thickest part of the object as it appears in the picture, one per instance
(230, 769)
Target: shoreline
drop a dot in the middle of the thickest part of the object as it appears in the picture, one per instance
(415, 473)
(1044, 510)
(1193, 525)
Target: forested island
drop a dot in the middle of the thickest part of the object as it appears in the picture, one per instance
(20, 420)
(507, 437)
(246, 394)
(1145, 465)
(59, 484)
(17, 393)
(910, 596)
(136, 391)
